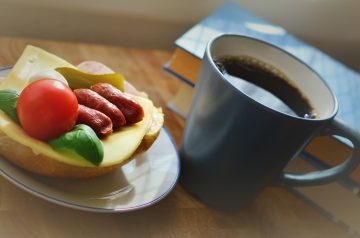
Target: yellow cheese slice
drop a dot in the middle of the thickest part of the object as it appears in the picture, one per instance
(118, 147)
(32, 61)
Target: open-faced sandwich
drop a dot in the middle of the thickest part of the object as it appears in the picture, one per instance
(72, 122)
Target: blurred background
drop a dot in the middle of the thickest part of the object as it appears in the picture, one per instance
(330, 25)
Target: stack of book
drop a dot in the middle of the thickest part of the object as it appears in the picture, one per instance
(339, 200)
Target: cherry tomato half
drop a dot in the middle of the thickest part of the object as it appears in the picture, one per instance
(47, 108)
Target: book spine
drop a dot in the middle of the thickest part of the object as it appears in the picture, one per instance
(178, 75)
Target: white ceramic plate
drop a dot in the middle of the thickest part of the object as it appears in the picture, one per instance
(140, 183)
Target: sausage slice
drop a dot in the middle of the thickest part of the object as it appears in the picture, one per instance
(132, 110)
(93, 100)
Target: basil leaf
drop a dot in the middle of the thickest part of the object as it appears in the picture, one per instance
(83, 141)
(8, 103)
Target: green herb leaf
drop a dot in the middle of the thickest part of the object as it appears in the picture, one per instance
(83, 141)
(8, 103)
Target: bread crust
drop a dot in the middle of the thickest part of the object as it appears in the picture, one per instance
(25, 158)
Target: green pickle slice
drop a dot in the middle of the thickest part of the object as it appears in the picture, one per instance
(79, 79)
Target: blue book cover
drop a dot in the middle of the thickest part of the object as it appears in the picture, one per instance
(231, 18)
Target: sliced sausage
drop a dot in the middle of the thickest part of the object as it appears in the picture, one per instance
(93, 100)
(132, 111)
(98, 121)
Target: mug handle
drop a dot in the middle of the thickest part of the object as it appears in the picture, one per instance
(336, 127)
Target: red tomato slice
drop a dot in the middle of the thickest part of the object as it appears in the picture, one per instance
(47, 108)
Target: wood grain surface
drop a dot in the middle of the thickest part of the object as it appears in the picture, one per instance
(275, 213)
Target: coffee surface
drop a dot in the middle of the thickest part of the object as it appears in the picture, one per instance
(265, 84)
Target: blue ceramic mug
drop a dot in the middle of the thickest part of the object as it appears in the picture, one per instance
(234, 146)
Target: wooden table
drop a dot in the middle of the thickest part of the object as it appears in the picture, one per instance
(276, 212)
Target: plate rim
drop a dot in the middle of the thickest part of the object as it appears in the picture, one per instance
(54, 199)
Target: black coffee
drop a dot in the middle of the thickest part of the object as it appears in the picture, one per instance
(265, 84)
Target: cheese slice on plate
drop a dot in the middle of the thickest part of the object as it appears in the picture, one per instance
(32, 61)
(118, 147)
